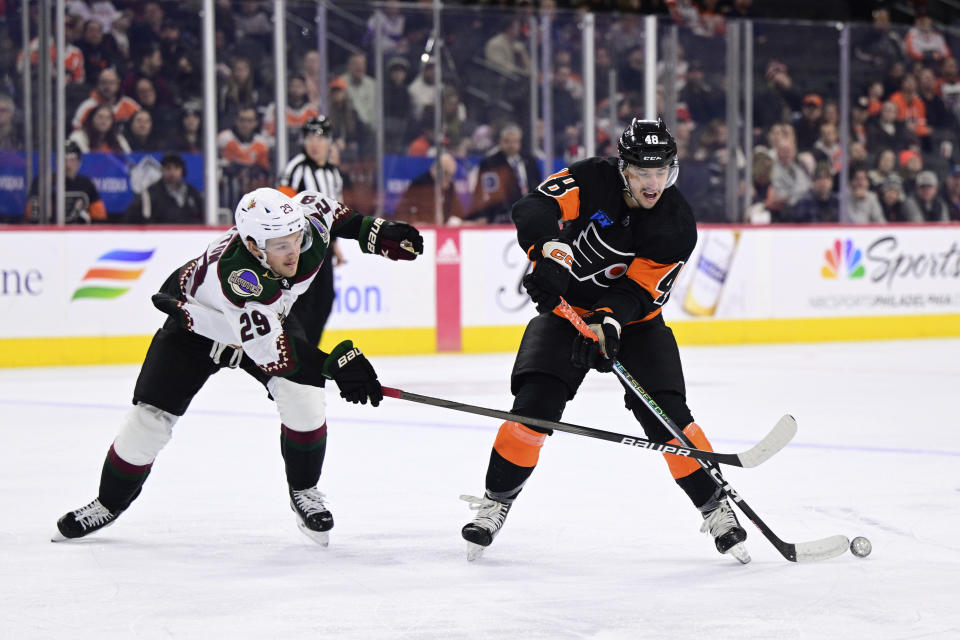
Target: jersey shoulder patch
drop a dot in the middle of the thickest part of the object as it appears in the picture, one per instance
(242, 278)
(245, 283)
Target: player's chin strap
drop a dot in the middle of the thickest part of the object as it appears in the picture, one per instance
(626, 183)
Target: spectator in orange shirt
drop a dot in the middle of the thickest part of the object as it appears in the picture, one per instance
(72, 60)
(108, 93)
(244, 144)
(299, 111)
(874, 98)
(910, 108)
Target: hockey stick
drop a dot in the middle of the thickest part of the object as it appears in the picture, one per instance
(811, 551)
(778, 437)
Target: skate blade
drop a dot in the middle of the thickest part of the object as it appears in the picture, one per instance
(322, 538)
(59, 537)
(739, 551)
(474, 551)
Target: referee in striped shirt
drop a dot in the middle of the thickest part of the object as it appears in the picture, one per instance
(311, 170)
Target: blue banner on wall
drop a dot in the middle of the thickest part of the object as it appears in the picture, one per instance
(112, 174)
(117, 177)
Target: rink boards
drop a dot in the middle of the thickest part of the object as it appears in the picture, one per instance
(83, 296)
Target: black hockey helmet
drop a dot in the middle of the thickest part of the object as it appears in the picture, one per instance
(317, 125)
(648, 143)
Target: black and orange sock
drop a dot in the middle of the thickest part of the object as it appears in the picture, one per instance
(516, 451)
(687, 472)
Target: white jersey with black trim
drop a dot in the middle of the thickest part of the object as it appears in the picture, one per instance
(233, 299)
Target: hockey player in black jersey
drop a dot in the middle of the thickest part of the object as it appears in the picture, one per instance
(610, 235)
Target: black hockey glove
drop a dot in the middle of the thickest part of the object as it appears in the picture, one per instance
(552, 261)
(353, 373)
(394, 240)
(166, 303)
(592, 354)
(172, 307)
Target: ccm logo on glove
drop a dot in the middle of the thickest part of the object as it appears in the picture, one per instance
(559, 252)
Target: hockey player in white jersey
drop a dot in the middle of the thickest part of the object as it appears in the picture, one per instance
(230, 308)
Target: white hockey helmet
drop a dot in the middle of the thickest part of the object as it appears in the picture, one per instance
(267, 213)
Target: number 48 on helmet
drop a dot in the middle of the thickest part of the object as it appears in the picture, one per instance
(649, 144)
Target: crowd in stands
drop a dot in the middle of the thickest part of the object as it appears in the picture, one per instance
(134, 84)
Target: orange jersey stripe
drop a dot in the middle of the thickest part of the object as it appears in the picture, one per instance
(519, 444)
(680, 466)
(648, 274)
(563, 188)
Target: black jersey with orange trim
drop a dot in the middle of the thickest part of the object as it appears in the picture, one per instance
(625, 259)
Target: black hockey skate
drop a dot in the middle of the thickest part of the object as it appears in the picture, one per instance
(484, 528)
(313, 517)
(83, 521)
(721, 522)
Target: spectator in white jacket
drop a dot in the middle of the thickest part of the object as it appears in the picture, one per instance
(863, 206)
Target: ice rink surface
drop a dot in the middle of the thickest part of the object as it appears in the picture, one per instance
(601, 544)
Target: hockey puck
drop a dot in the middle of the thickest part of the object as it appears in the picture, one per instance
(860, 547)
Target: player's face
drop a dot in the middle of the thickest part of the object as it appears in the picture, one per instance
(283, 254)
(647, 183)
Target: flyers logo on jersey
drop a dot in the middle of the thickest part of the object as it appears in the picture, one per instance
(245, 282)
(596, 260)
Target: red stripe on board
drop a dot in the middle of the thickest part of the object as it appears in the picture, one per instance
(448, 289)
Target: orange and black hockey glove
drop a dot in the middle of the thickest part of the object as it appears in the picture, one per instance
(552, 262)
(597, 354)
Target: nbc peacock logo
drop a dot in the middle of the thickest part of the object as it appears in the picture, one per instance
(843, 260)
(113, 273)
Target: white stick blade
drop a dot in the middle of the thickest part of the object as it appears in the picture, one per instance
(781, 434)
(822, 549)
